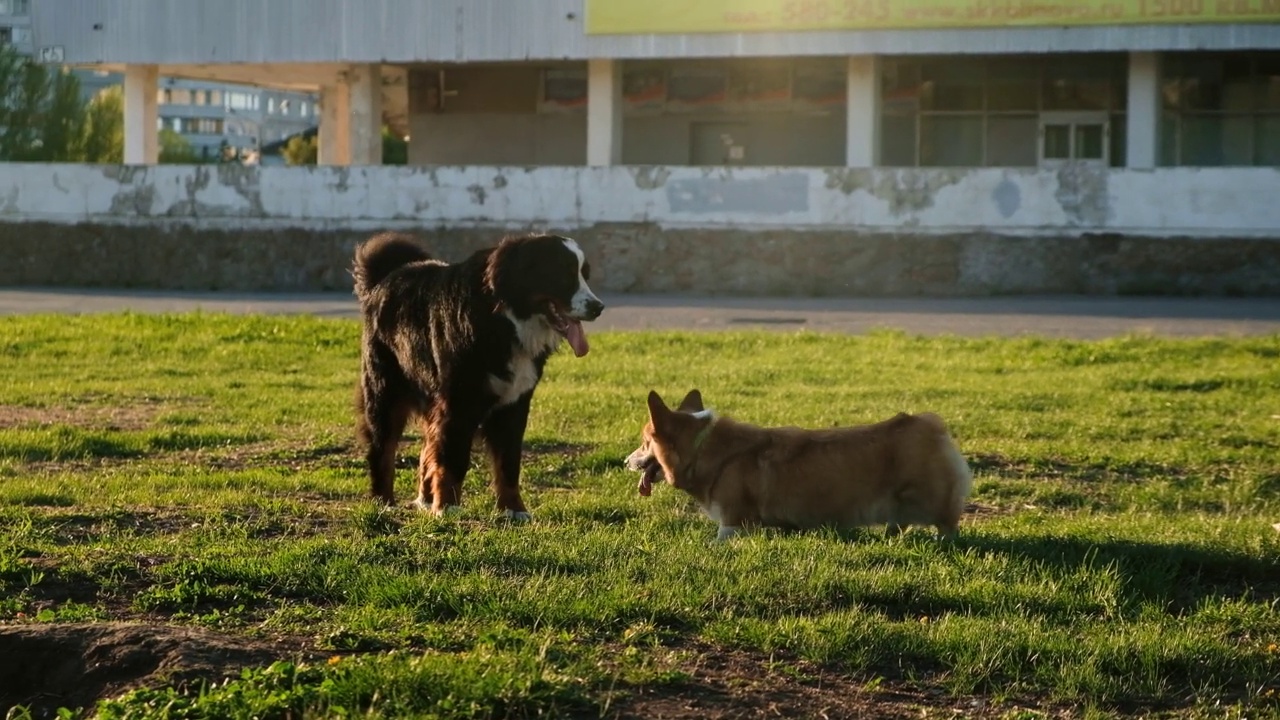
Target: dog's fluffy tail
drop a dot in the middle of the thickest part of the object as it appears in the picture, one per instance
(964, 476)
(960, 470)
(381, 255)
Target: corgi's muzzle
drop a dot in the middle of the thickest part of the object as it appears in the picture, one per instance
(646, 463)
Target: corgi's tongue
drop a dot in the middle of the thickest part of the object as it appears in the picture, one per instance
(646, 479)
(576, 336)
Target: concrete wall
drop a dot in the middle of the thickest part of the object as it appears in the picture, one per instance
(833, 231)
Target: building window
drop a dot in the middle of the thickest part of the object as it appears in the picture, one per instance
(1220, 109)
(180, 96)
(240, 101)
(198, 126)
(6, 35)
(563, 90)
(994, 111)
(271, 106)
(302, 108)
(284, 107)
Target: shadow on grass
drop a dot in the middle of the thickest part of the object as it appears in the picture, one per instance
(1176, 575)
(1054, 469)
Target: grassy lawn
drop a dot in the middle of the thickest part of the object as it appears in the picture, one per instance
(198, 470)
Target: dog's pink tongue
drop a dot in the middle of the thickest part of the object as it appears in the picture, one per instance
(646, 480)
(577, 337)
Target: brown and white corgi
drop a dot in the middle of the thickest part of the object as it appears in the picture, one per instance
(903, 471)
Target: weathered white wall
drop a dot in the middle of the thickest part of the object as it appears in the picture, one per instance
(1224, 202)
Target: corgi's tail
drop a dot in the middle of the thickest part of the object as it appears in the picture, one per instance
(961, 474)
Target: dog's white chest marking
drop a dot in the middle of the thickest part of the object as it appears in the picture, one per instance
(524, 376)
(714, 512)
(535, 335)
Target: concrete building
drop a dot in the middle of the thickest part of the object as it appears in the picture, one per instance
(955, 83)
(15, 25)
(1147, 122)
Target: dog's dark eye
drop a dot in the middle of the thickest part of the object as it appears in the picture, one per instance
(586, 270)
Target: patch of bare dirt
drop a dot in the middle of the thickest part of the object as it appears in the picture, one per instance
(49, 666)
(733, 684)
(137, 414)
(46, 667)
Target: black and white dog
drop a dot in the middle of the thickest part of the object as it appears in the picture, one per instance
(460, 348)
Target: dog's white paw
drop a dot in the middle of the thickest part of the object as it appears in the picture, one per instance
(727, 532)
(519, 516)
(448, 511)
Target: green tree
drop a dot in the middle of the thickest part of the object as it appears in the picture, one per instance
(62, 133)
(301, 151)
(42, 116)
(395, 149)
(305, 150)
(104, 127)
(23, 90)
(175, 149)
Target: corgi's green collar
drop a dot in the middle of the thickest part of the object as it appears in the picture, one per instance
(702, 435)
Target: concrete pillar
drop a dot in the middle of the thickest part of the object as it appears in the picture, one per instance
(604, 112)
(862, 124)
(365, 100)
(141, 120)
(351, 118)
(334, 137)
(1142, 131)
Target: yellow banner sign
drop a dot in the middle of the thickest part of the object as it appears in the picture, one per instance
(642, 17)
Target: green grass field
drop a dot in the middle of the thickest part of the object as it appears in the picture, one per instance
(199, 470)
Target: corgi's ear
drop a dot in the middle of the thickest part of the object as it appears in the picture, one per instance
(657, 409)
(692, 402)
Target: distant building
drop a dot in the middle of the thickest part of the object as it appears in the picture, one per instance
(15, 25)
(221, 117)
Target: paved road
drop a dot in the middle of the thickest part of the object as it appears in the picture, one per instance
(1081, 317)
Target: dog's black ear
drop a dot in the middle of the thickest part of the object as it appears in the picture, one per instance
(657, 408)
(692, 402)
(507, 276)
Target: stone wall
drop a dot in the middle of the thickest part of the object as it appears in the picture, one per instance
(784, 231)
